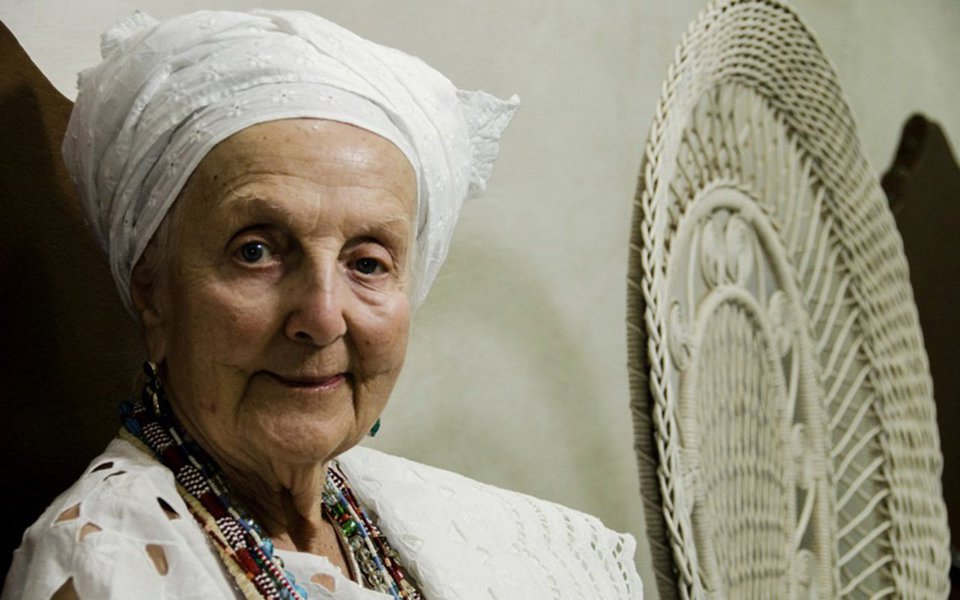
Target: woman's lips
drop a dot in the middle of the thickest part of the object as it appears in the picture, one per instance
(311, 383)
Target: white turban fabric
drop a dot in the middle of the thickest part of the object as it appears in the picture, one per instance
(167, 92)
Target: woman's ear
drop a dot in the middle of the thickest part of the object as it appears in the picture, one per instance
(152, 320)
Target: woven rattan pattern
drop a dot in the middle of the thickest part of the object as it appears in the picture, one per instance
(785, 427)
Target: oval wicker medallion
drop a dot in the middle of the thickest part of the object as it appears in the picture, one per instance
(758, 503)
(784, 415)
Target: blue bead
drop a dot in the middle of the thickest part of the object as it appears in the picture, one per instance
(132, 426)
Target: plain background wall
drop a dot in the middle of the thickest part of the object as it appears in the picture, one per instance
(516, 373)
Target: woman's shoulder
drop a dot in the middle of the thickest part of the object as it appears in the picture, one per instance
(121, 528)
(447, 524)
(121, 489)
(380, 469)
(374, 470)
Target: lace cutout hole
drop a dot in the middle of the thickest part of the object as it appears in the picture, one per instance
(69, 514)
(159, 558)
(102, 466)
(325, 581)
(89, 528)
(67, 591)
(114, 474)
(168, 510)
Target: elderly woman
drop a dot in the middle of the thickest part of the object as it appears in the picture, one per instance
(274, 195)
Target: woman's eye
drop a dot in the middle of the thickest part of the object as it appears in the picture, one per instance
(367, 266)
(254, 252)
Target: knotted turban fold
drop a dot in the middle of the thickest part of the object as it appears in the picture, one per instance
(167, 92)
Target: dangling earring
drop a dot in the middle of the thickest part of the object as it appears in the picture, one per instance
(375, 429)
(151, 390)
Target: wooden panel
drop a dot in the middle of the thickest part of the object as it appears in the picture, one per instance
(68, 350)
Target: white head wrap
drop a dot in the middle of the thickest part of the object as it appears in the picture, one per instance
(167, 92)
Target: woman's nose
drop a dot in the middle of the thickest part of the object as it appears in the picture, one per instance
(317, 308)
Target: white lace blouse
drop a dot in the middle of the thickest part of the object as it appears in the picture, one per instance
(122, 531)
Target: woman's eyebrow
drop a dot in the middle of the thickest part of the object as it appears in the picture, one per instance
(246, 205)
(391, 224)
(251, 202)
(256, 206)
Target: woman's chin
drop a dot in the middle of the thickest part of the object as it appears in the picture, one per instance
(304, 441)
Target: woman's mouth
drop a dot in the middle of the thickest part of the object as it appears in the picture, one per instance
(318, 383)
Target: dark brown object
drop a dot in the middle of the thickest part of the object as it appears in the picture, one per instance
(68, 350)
(923, 186)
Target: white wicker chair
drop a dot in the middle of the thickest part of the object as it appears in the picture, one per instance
(785, 426)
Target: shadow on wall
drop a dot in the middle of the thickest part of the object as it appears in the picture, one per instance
(923, 187)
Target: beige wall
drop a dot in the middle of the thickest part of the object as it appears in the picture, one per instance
(516, 373)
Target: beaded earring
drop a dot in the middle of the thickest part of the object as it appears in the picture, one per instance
(375, 429)
(151, 391)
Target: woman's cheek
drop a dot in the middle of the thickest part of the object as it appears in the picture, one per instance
(238, 320)
(390, 335)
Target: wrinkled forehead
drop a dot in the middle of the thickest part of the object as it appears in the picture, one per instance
(331, 152)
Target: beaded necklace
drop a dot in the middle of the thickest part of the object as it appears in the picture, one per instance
(363, 541)
(247, 552)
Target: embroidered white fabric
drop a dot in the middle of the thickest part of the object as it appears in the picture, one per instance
(122, 531)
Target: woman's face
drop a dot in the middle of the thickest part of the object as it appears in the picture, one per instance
(281, 319)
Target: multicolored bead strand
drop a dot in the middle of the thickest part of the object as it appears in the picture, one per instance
(239, 537)
(250, 554)
(379, 563)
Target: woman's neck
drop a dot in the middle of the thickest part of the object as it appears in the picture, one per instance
(288, 506)
(286, 503)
